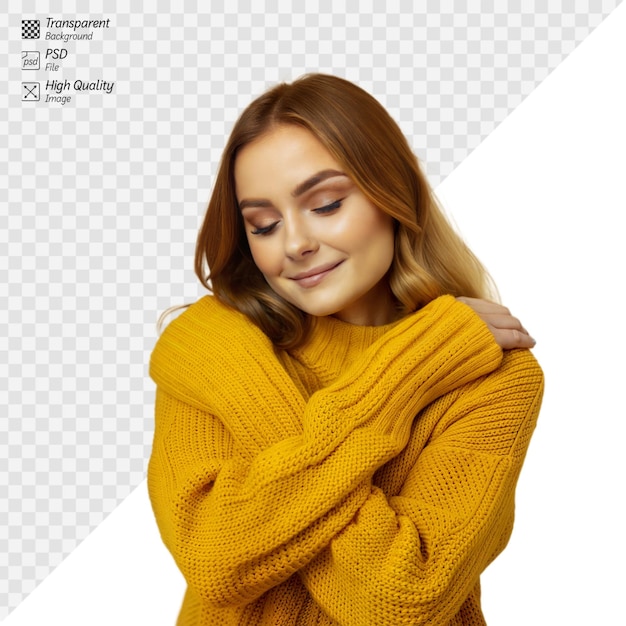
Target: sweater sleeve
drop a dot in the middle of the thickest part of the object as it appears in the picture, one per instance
(414, 557)
(242, 511)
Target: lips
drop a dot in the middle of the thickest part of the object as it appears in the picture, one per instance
(312, 277)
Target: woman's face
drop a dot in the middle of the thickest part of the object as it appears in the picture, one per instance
(318, 241)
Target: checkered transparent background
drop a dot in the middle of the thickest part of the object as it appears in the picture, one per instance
(102, 198)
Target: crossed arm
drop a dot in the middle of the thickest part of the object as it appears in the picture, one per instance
(239, 523)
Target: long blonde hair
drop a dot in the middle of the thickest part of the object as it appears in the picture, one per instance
(430, 257)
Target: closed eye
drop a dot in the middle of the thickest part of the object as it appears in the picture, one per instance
(265, 230)
(329, 208)
(324, 210)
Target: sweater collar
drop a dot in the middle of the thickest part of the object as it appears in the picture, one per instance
(332, 345)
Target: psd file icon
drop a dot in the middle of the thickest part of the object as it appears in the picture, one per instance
(30, 60)
(30, 92)
(30, 29)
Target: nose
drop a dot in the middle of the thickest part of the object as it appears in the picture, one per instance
(299, 240)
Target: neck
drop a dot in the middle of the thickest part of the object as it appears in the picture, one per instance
(378, 308)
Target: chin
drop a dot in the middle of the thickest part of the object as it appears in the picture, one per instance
(318, 311)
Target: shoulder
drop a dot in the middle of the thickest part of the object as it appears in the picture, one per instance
(513, 395)
(203, 339)
(205, 323)
(206, 312)
(513, 392)
(517, 380)
(495, 414)
(518, 367)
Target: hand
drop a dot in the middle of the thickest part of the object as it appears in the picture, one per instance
(506, 329)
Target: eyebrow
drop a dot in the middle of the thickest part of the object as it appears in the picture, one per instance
(316, 179)
(299, 190)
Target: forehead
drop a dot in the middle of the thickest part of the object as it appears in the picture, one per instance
(279, 160)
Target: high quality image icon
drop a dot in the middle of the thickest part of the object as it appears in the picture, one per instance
(30, 92)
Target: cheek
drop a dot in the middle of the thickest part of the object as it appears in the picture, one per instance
(379, 249)
(263, 255)
(373, 233)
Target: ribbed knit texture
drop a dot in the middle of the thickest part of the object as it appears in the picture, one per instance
(366, 479)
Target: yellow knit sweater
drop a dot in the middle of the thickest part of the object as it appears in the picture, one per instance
(366, 479)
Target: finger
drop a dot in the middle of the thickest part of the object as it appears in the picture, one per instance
(509, 339)
(506, 322)
(484, 307)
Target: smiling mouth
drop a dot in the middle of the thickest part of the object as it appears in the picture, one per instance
(315, 276)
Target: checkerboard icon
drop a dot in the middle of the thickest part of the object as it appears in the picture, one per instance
(30, 29)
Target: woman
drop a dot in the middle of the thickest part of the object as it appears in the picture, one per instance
(338, 434)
